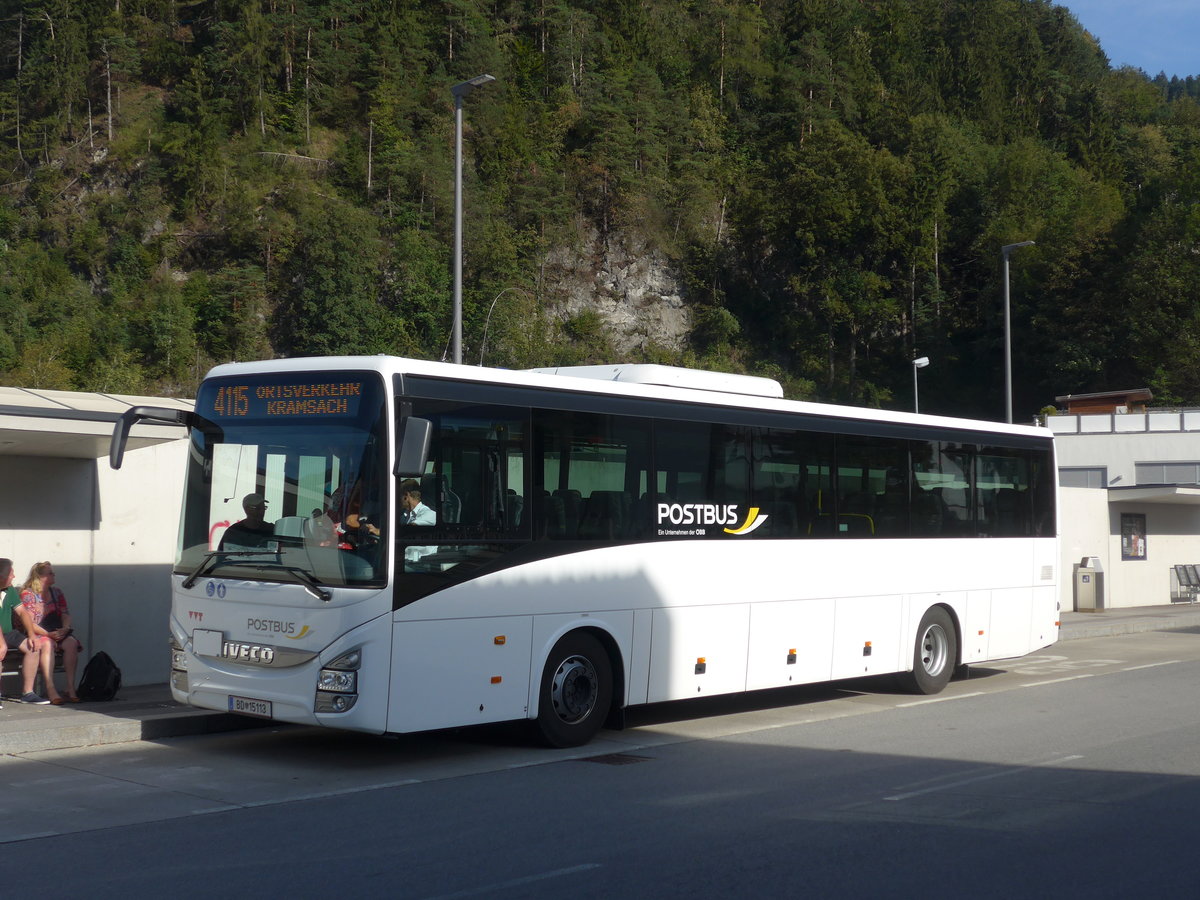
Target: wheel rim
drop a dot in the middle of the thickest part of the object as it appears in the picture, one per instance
(574, 689)
(935, 649)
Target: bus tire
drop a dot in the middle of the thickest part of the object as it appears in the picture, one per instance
(935, 653)
(576, 691)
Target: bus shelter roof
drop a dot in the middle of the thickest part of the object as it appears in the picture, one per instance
(74, 425)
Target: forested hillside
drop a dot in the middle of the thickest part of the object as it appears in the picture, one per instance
(183, 183)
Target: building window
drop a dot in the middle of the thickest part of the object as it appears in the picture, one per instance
(1083, 478)
(1168, 473)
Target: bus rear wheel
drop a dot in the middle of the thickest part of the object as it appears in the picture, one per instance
(576, 691)
(935, 654)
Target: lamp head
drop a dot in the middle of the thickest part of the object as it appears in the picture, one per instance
(1007, 248)
(920, 362)
(465, 87)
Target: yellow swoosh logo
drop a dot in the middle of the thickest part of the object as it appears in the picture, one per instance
(296, 637)
(753, 520)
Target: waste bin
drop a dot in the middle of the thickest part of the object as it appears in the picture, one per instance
(1089, 585)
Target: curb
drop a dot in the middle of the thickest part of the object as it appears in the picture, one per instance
(40, 736)
(1081, 627)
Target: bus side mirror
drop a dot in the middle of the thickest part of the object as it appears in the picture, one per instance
(414, 448)
(133, 415)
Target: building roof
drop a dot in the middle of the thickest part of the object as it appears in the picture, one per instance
(74, 425)
(1175, 494)
(1106, 400)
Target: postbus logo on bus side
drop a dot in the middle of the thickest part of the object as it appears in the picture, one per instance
(697, 516)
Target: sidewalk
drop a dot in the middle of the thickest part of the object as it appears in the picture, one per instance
(1128, 620)
(148, 713)
(142, 713)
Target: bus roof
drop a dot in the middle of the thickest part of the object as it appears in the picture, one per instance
(674, 376)
(641, 381)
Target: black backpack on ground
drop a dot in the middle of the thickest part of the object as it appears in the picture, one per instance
(101, 678)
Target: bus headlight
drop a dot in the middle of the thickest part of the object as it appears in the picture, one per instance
(337, 683)
(334, 680)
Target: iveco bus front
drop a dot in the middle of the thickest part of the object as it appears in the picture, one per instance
(292, 622)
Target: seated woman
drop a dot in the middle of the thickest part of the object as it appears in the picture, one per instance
(50, 620)
(15, 623)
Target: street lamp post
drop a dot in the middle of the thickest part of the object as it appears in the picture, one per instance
(919, 363)
(1005, 251)
(459, 91)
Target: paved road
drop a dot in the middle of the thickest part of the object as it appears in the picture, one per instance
(1069, 772)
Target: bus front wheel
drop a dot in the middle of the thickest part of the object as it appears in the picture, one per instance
(935, 653)
(576, 691)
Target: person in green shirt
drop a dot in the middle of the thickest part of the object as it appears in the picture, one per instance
(12, 614)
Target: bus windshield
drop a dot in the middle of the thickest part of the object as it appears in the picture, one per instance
(287, 481)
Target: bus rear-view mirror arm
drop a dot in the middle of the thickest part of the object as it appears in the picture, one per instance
(414, 448)
(156, 414)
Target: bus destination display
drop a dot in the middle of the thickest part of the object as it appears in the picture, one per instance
(284, 400)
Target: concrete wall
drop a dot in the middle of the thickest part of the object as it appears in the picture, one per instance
(1119, 453)
(1083, 528)
(111, 536)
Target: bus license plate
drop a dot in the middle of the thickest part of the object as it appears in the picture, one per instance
(248, 706)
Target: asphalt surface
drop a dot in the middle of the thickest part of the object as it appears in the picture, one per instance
(147, 712)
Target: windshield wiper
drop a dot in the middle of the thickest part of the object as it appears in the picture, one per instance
(212, 555)
(310, 582)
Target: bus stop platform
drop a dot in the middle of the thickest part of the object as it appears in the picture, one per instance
(142, 713)
(1128, 620)
(147, 712)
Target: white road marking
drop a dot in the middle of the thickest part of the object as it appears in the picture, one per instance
(989, 777)
(517, 882)
(1169, 662)
(940, 699)
(1059, 680)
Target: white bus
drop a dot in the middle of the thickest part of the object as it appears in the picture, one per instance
(602, 537)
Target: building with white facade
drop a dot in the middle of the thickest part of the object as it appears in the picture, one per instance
(1129, 495)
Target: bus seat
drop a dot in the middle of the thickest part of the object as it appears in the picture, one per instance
(554, 522)
(891, 513)
(604, 515)
(782, 520)
(290, 526)
(926, 517)
(1008, 519)
(956, 510)
(572, 503)
(514, 507)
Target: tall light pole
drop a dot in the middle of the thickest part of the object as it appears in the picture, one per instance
(919, 363)
(1005, 251)
(459, 91)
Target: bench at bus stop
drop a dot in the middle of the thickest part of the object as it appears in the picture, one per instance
(10, 675)
(1185, 583)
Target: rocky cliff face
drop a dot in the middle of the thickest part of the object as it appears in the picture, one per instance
(633, 289)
